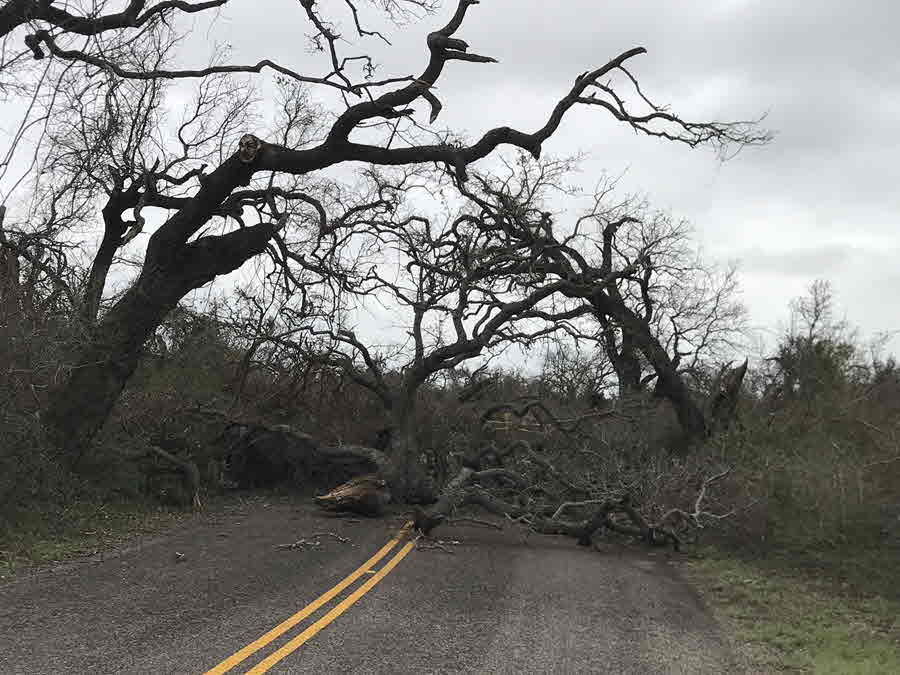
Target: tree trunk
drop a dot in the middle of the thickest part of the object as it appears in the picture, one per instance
(628, 369)
(10, 270)
(12, 15)
(264, 456)
(623, 357)
(406, 474)
(244, 371)
(114, 229)
(10, 284)
(669, 382)
(724, 397)
(99, 271)
(81, 404)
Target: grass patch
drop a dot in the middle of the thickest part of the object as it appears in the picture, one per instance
(796, 619)
(50, 533)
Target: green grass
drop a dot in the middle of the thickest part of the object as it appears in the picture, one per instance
(789, 619)
(50, 533)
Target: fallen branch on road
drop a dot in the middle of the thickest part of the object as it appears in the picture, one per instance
(474, 521)
(313, 541)
(436, 544)
(465, 490)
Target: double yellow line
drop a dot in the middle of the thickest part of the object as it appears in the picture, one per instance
(326, 597)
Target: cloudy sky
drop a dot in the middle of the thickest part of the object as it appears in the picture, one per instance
(822, 201)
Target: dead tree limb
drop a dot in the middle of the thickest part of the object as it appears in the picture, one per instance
(464, 490)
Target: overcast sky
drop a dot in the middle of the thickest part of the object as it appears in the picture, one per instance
(822, 201)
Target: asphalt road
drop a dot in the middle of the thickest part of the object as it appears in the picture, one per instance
(496, 604)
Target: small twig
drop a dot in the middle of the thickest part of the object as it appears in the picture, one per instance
(438, 544)
(300, 544)
(566, 505)
(524, 519)
(881, 462)
(475, 521)
(706, 483)
(314, 541)
(341, 539)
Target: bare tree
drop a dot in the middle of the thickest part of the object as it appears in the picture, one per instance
(181, 256)
(609, 240)
(458, 299)
(690, 305)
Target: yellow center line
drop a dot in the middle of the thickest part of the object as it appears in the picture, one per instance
(276, 656)
(323, 599)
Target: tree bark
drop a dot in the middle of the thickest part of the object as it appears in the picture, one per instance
(405, 472)
(113, 230)
(628, 368)
(13, 15)
(80, 406)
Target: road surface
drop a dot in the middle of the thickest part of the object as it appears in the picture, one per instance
(486, 602)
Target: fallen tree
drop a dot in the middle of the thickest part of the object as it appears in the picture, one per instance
(465, 489)
(453, 285)
(205, 236)
(218, 211)
(482, 485)
(571, 509)
(472, 488)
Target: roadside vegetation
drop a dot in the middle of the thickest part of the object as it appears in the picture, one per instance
(819, 616)
(91, 527)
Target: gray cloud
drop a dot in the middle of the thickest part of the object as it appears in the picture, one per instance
(810, 262)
